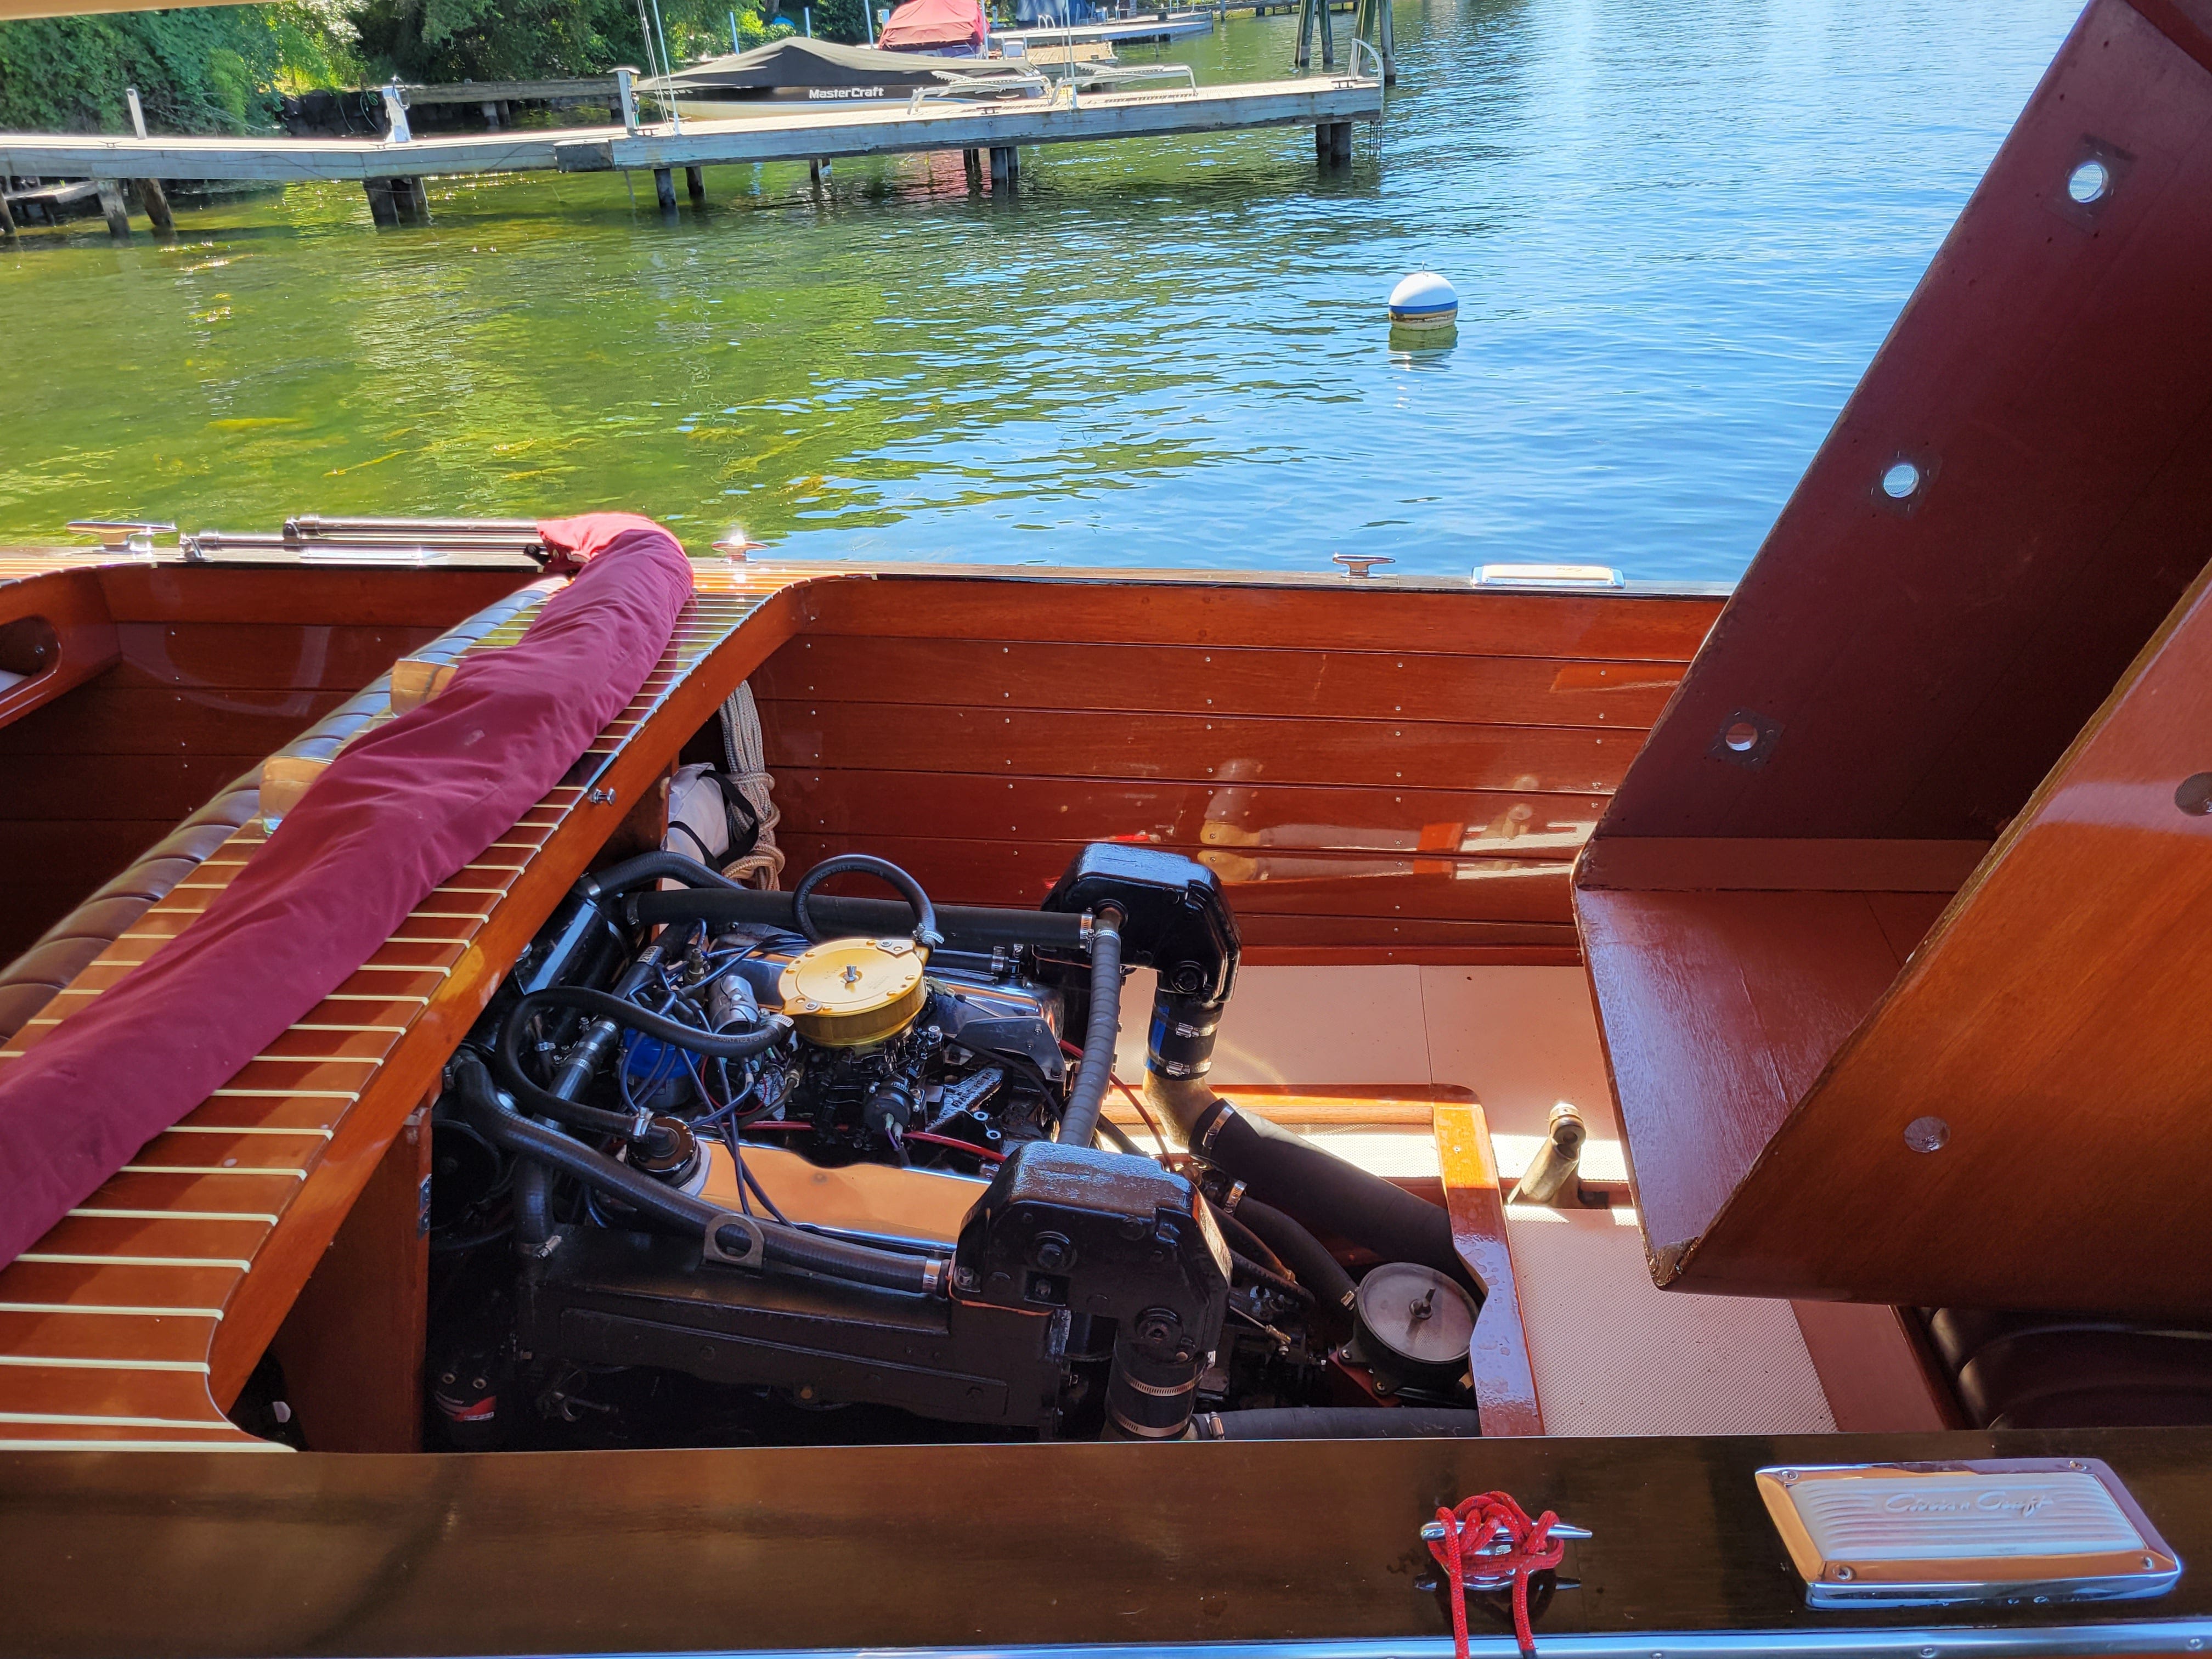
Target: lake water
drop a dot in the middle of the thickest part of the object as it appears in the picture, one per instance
(1680, 229)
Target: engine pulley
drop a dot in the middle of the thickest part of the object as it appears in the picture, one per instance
(849, 992)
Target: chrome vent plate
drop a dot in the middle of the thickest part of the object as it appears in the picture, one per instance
(2014, 1530)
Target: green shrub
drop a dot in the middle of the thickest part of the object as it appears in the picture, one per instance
(210, 70)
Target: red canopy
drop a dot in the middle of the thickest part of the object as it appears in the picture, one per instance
(920, 24)
(398, 811)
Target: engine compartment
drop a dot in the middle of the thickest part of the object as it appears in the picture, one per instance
(726, 1166)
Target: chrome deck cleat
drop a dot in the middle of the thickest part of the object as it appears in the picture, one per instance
(1433, 1532)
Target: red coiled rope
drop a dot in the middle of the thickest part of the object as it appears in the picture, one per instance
(1471, 1528)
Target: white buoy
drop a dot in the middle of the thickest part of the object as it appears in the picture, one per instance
(1424, 299)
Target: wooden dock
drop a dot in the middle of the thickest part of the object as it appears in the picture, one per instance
(789, 133)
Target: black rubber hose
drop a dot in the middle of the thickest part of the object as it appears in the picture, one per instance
(1245, 1241)
(1326, 1193)
(965, 926)
(926, 934)
(1118, 1138)
(1340, 1422)
(591, 1118)
(649, 867)
(533, 1203)
(1101, 1027)
(719, 1045)
(1308, 1259)
(783, 1246)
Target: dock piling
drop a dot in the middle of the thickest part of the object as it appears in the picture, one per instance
(1006, 167)
(695, 183)
(112, 205)
(664, 188)
(397, 201)
(151, 196)
(971, 163)
(7, 213)
(155, 200)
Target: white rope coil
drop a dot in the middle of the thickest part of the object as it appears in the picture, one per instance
(745, 757)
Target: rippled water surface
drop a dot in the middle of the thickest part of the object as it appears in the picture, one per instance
(1679, 228)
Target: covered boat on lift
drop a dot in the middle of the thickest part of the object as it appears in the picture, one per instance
(824, 71)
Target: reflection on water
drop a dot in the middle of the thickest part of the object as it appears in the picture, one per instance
(1678, 228)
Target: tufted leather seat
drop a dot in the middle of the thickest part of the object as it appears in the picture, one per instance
(2053, 1371)
(64, 950)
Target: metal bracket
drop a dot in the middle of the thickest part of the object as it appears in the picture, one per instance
(755, 1240)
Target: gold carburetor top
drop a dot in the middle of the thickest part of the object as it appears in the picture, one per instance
(849, 992)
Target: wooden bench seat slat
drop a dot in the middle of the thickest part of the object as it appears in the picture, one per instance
(86, 1391)
(118, 1284)
(163, 1340)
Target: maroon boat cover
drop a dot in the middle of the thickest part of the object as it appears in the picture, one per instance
(398, 811)
(920, 24)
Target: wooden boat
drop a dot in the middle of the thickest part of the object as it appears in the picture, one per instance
(1857, 915)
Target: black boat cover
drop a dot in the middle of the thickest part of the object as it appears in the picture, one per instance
(797, 62)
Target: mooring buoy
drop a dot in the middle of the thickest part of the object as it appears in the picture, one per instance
(1424, 299)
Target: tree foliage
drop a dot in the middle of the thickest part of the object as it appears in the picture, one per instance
(196, 71)
(530, 39)
(222, 69)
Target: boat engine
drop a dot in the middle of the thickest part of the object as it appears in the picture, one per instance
(724, 1166)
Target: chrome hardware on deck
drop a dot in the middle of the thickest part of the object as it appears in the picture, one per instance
(1360, 564)
(1433, 1532)
(314, 540)
(125, 535)
(1547, 575)
(2013, 1531)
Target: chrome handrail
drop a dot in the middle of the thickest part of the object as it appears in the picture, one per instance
(315, 540)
